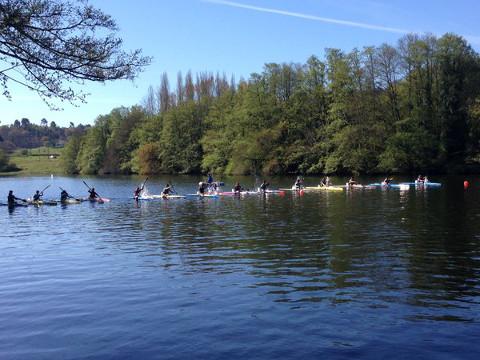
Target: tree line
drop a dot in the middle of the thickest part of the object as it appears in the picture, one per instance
(405, 108)
(24, 134)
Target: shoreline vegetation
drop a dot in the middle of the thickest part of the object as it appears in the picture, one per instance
(409, 108)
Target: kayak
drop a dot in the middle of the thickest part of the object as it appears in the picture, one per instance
(96, 200)
(387, 185)
(71, 201)
(42, 202)
(14, 205)
(421, 183)
(280, 192)
(238, 193)
(359, 186)
(202, 196)
(324, 188)
(292, 189)
(160, 197)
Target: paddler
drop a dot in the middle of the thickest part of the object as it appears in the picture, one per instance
(201, 188)
(387, 181)
(264, 186)
(351, 182)
(237, 188)
(420, 179)
(209, 179)
(38, 196)
(12, 199)
(138, 192)
(167, 190)
(64, 196)
(93, 195)
(325, 181)
(298, 183)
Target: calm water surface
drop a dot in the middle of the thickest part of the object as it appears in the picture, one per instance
(371, 274)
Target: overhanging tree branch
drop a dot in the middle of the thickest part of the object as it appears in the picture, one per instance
(56, 42)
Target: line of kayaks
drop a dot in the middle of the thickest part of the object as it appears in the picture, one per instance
(31, 202)
(401, 186)
(210, 195)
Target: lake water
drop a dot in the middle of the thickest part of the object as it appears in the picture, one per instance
(373, 274)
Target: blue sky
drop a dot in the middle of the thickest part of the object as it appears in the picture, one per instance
(238, 37)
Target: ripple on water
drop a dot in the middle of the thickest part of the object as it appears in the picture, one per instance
(354, 275)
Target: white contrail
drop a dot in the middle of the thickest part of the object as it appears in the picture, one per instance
(310, 17)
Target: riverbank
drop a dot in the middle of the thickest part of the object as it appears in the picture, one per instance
(38, 161)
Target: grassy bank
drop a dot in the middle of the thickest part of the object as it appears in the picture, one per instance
(39, 161)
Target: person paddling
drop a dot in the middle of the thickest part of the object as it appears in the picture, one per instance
(167, 190)
(298, 183)
(137, 192)
(351, 182)
(237, 188)
(209, 179)
(12, 199)
(202, 187)
(92, 194)
(387, 181)
(264, 186)
(38, 196)
(64, 196)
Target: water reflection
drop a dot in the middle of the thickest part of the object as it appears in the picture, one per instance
(384, 256)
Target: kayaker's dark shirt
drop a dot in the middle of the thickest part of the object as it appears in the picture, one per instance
(37, 197)
(167, 191)
(93, 194)
(264, 186)
(63, 196)
(11, 199)
(237, 188)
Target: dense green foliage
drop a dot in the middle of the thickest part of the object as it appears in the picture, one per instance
(26, 135)
(414, 107)
(5, 164)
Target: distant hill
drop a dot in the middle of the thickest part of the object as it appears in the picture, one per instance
(24, 134)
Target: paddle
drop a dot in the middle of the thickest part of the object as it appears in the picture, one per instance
(41, 192)
(143, 185)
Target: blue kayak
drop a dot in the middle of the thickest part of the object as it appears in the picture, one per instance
(419, 183)
(388, 185)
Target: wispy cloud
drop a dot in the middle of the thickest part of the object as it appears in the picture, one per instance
(310, 17)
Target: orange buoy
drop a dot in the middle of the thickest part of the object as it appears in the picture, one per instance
(466, 184)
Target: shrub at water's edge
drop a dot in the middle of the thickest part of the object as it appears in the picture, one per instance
(5, 165)
(412, 107)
